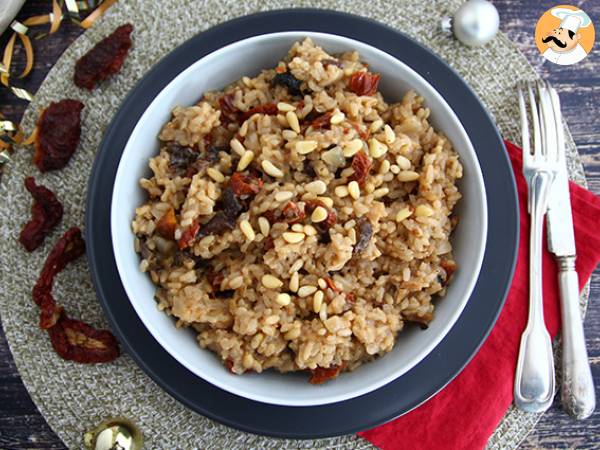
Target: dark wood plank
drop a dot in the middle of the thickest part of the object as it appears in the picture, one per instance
(21, 425)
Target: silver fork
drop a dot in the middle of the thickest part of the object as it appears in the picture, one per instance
(534, 378)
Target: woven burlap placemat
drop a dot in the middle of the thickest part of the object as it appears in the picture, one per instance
(74, 397)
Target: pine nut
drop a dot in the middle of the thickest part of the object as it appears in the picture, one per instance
(322, 283)
(271, 282)
(408, 175)
(404, 213)
(282, 196)
(354, 190)
(390, 136)
(294, 282)
(305, 147)
(264, 225)
(247, 361)
(341, 191)
(384, 167)
(285, 107)
(316, 187)
(244, 129)
(292, 119)
(309, 230)
(270, 169)
(352, 147)
(247, 230)
(394, 169)
(377, 149)
(236, 282)
(403, 162)
(337, 118)
(298, 228)
(288, 135)
(215, 174)
(376, 125)
(423, 211)
(305, 291)
(317, 301)
(323, 312)
(296, 266)
(237, 147)
(327, 201)
(283, 299)
(293, 237)
(245, 160)
(381, 192)
(272, 320)
(319, 214)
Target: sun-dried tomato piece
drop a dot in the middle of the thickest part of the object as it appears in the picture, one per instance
(71, 339)
(245, 184)
(268, 243)
(229, 113)
(188, 236)
(323, 121)
(57, 134)
(364, 83)
(46, 212)
(272, 215)
(69, 247)
(104, 59)
(292, 213)
(269, 109)
(362, 130)
(214, 279)
(74, 340)
(50, 312)
(322, 374)
(229, 364)
(167, 224)
(331, 285)
(365, 232)
(361, 165)
(350, 297)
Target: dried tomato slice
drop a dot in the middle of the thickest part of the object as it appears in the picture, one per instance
(269, 109)
(104, 59)
(331, 285)
(74, 340)
(57, 134)
(188, 236)
(321, 374)
(167, 224)
(229, 113)
(245, 184)
(292, 213)
(361, 165)
(323, 121)
(71, 339)
(364, 83)
(69, 247)
(46, 212)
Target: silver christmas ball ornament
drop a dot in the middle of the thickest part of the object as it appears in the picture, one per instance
(475, 23)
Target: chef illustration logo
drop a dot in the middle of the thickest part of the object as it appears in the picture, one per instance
(564, 35)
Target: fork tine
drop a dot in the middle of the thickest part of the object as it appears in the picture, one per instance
(537, 142)
(560, 133)
(549, 138)
(525, 138)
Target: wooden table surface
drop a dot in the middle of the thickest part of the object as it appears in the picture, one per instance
(22, 426)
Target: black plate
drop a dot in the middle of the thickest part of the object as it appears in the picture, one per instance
(399, 396)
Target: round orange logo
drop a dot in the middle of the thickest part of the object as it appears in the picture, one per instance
(564, 35)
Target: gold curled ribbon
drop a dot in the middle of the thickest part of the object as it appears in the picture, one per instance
(21, 29)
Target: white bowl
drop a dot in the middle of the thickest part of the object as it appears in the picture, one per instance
(215, 71)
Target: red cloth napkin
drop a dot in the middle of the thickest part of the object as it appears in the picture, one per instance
(465, 414)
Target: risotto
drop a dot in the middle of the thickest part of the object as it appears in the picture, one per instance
(296, 221)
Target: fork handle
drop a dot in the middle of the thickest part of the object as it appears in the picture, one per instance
(534, 377)
(578, 396)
